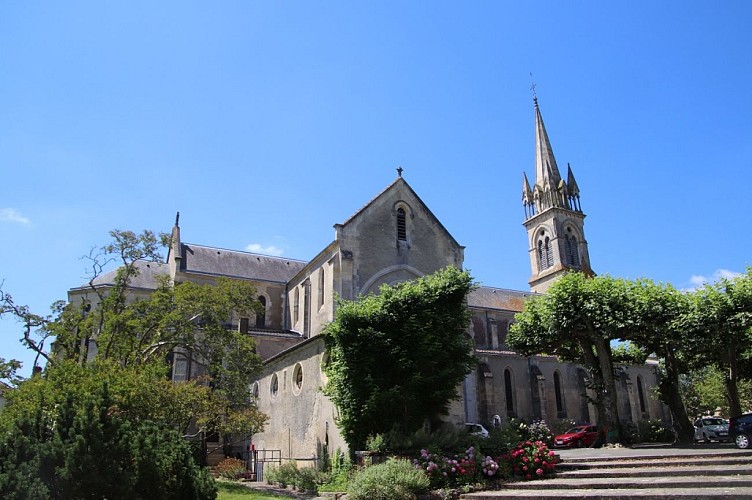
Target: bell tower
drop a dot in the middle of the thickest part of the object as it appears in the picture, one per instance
(553, 217)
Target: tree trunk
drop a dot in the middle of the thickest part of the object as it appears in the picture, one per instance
(730, 381)
(669, 386)
(610, 402)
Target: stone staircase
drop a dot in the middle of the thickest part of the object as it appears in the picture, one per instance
(686, 476)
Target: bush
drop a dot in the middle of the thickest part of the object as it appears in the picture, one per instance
(531, 459)
(231, 468)
(94, 453)
(655, 431)
(391, 480)
(288, 474)
(456, 470)
(338, 476)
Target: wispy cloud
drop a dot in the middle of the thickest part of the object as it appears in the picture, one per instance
(11, 215)
(266, 250)
(698, 280)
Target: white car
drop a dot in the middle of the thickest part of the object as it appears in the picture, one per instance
(709, 429)
(476, 430)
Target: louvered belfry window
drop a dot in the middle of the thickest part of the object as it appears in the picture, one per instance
(401, 225)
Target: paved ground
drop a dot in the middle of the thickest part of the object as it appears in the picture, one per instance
(655, 450)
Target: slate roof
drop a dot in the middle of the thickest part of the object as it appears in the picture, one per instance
(146, 279)
(498, 298)
(198, 259)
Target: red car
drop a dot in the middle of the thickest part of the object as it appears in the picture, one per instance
(582, 435)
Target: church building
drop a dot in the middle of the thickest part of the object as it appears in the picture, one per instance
(393, 238)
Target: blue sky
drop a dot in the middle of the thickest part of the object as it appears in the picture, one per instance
(265, 123)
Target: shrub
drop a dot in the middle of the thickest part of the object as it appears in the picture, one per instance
(392, 480)
(655, 431)
(231, 468)
(338, 477)
(376, 443)
(94, 453)
(538, 431)
(283, 475)
(531, 459)
(456, 470)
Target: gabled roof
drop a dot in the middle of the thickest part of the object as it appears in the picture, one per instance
(400, 180)
(485, 297)
(146, 278)
(212, 261)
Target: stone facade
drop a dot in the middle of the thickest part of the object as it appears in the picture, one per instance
(393, 238)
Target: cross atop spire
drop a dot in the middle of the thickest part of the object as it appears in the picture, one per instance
(399, 171)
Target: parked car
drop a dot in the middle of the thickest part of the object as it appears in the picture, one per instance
(709, 429)
(476, 430)
(740, 430)
(582, 435)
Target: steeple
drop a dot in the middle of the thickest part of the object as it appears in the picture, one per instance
(545, 163)
(553, 216)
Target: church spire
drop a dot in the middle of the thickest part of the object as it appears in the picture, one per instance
(553, 217)
(544, 154)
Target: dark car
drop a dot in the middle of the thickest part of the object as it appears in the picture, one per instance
(740, 430)
(582, 435)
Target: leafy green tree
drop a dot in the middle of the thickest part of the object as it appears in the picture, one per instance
(90, 451)
(576, 320)
(142, 330)
(657, 326)
(397, 358)
(721, 323)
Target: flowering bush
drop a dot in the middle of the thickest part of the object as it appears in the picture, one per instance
(457, 470)
(531, 459)
(539, 431)
(231, 468)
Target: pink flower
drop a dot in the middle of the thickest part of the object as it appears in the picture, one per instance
(539, 472)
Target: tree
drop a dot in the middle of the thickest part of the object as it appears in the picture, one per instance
(144, 331)
(577, 320)
(721, 322)
(658, 313)
(396, 358)
(90, 451)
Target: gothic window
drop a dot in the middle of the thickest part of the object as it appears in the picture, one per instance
(557, 393)
(509, 391)
(321, 287)
(181, 369)
(641, 396)
(261, 316)
(255, 391)
(401, 225)
(307, 308)
(545, 253)
(571, 251)
(274, 385)
(296, 306)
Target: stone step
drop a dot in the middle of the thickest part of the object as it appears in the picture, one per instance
(658, 471)
(626, 463)
(667, 457)
(672, 482)
(619, 494)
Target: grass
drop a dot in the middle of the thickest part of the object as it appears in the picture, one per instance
(235, 491)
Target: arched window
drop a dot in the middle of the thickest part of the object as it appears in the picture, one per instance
(401, 225)
(641, 396)
(321, 287)
(545, 252)
(571, 250)
(296, 306)
(557, 393)
(261, 316)
(509, 391)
